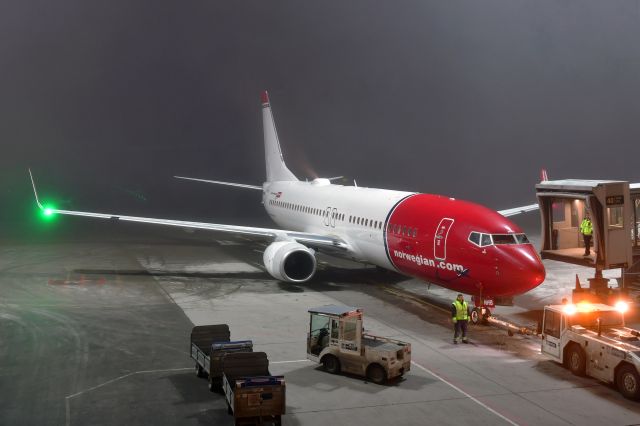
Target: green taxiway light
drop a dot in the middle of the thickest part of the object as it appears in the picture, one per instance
(48, 211)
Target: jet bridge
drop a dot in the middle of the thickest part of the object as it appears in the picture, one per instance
(614, 215)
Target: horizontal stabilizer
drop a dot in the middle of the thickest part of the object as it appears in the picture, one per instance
(239, 185)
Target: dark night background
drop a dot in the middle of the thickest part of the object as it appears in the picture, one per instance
(107, 100)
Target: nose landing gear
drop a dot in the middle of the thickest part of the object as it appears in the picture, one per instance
(481, 313)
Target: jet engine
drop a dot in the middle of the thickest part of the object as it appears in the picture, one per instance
(290, 261)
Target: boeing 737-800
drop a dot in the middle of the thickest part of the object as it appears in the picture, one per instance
(452, 243)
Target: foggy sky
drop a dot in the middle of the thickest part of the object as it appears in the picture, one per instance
(106, 101)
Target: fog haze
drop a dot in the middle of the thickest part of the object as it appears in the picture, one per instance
(106, 101)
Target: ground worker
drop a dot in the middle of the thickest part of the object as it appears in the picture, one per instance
(460, 317)
(586, 229)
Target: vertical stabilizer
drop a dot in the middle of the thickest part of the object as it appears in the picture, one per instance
(276, 169)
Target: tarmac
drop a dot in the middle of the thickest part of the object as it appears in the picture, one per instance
(94, 330)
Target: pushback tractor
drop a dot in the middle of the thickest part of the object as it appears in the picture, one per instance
(591, 339)
(337, 341)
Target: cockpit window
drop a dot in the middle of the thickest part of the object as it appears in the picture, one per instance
(479, 239)
(499, 239)
(474, 237)
(484, 240)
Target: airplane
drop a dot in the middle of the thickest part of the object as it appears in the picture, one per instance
(453, 243)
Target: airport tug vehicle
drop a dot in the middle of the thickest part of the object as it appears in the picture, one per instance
(337, 340)
(591, 339)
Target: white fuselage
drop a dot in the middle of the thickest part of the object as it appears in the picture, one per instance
(357, 215)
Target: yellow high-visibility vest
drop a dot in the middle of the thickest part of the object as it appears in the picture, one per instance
(462, 312)
(586, 227)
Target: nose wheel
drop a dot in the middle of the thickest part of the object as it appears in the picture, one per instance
(479, 315)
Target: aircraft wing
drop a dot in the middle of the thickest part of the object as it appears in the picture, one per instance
(306, 238)
(518, 210)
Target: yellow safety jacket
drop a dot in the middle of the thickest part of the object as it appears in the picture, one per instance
(462, 312)
(586, 227)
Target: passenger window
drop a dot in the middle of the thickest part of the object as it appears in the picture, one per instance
(485, 240)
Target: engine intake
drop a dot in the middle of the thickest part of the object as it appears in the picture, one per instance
(290, 261)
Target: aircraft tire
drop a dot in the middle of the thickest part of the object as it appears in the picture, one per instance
(476, 316)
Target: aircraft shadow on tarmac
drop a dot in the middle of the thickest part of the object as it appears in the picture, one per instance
(328, 279)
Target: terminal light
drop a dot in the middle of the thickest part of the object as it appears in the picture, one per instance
(622, 306)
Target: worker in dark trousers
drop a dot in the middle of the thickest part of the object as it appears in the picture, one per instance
(460, 318)
(586, 229)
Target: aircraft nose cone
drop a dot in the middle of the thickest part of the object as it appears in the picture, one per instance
(530, 268)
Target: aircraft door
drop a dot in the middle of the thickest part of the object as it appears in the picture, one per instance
(440, 238)
(551, 334)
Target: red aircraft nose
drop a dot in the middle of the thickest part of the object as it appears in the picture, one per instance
(519, 270)
(529, 268)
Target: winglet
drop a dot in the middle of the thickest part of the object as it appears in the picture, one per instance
(264, 97)
(33, 184)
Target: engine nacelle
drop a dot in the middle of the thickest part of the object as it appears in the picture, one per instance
(290, 261)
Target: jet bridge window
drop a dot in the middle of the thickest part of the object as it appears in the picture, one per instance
(616, 217)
